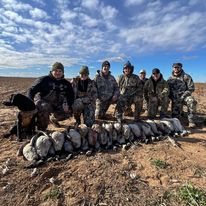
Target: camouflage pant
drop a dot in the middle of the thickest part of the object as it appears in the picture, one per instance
(153, 104)
(124, 101)
(88, 111)
(129, 112)
(101, 108)
(190, 102)
(45, 109)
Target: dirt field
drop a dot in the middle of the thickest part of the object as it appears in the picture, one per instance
(125, 177)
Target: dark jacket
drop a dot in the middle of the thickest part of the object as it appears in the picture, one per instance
(85, 89)
(52, 90)
(157, 88)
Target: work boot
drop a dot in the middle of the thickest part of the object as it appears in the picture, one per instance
(192, 125)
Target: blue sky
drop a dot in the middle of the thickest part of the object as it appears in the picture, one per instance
(149, 33)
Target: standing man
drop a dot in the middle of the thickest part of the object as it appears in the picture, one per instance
(55, 97)
(107, 90)
(156, 92)
(85, 97)
(181, 88)
(143, 79)
(131, 92)
(142, 76)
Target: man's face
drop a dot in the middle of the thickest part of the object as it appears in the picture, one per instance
(84, 76)
(177, 69)
(105, 69)
(156, 76)
(127, 70)
(142, 75)
(57, 73)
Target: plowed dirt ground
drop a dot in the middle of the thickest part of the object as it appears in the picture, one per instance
(125, 177)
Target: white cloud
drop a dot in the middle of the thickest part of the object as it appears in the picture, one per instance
(108, 12)
(134, 2)
(176, 33)
(90, 4)
(38, 13)
(82, 31)
(120, 58)
(88, 21)
(15, 5)
(68, 15)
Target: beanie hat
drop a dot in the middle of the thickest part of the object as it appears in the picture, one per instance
(58, 65)
(84, 70)
(155, 71)
(177, 65)
(105, 63)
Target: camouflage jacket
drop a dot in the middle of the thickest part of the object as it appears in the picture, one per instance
(106, 86)
(157, 89)
(86, 90)
(181, 86)
(130, 85)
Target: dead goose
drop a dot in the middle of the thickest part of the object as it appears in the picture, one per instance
(109, 128)
(42, 144)
(93, 137)
(28, 151)
(136, 129)
(83, 131)
(127, 132)
(75, 138)
(102, 135)
(153, 126)
(36, 150)
(58, 140)
(168, 126)
(119, 139)
(68, 146)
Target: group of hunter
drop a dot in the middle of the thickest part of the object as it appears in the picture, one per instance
(57, 99)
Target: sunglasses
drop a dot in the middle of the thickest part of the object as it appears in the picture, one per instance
(177, 67)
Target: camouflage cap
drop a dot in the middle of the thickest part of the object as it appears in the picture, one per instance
(58, 65)
(84, 70)
(128, 65)
(177, 64)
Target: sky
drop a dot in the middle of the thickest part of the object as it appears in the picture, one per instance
(149, 33)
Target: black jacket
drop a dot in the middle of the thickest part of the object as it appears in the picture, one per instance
(49, 85)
